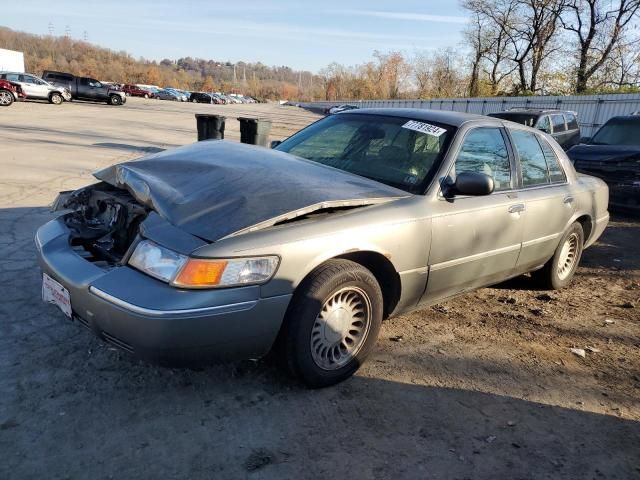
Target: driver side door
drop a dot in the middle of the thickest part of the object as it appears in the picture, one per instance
(476, 240)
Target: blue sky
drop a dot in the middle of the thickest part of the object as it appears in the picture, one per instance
(303, 35)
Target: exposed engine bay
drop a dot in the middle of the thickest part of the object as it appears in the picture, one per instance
(104, 221)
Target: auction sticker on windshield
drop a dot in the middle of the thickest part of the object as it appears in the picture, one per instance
(53, 292)
(424, 128)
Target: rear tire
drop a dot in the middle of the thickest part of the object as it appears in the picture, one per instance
(56, 98)
(558, 272)
(332, 323)
(115, 100)
(6, 98)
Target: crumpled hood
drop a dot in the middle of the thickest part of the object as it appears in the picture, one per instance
(602, 153)
(215, 188)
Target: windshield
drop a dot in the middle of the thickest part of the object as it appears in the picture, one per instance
(400, 152)
(618, 131)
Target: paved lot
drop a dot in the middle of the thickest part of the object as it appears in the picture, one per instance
(483, 386)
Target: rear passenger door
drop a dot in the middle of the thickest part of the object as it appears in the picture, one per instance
(573, 131)
(559, 129)
(545, 192)
(476, 240)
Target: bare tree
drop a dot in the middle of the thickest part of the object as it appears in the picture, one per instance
(479, 40)
(598, 27)
(530, 36)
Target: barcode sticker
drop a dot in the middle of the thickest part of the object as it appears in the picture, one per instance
(424, 128)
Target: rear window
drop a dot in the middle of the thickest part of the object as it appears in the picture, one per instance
(556, 173)
(532, 160)
(572, 121)
(558, 123)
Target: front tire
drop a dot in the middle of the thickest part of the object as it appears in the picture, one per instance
(332, 323)
(56, 98)
(558, 272)
(115, 100)
(6, 98)
(146, 95)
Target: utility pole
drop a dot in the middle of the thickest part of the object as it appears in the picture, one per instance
(51, 29)
(85, 36)
(67, 31)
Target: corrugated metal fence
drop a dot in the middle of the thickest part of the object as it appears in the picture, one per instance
(593, 110)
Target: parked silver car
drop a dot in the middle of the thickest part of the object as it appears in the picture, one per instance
(35, 87)
(226, 250)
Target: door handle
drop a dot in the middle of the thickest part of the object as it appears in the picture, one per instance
(517, 208)
(568, 199)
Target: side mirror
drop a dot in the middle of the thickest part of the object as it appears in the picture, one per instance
(473, 183)
(275, 143)
(585, 139)
(544, 129)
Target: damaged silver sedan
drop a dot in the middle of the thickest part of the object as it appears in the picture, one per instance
(223, 250)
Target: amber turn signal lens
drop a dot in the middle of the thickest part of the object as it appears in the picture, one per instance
(201, 273)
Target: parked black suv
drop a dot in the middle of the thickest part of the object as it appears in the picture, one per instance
(85, 88)
(562, 125)
(613, 154)
(200, 97)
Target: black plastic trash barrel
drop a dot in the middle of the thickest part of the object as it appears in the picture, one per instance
(254, 131)
(210, 127)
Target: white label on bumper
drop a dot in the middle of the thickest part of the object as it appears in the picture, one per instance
(53, 292)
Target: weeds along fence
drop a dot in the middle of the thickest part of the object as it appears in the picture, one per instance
(592, 110)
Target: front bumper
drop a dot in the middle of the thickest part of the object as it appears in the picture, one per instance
(153, 320)
(625, 196)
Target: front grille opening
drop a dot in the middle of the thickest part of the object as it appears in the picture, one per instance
(104, 223)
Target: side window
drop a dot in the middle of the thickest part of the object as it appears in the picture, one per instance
(84, 81)
(572, 121)
(484, 151)
(558, 123)
(544, 124)
(556, 173)
(532, 161)
(12, 77)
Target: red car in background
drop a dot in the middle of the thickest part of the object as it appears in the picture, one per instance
(9, 92)
(135, 91)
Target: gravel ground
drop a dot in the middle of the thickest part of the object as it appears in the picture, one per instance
(482, 386)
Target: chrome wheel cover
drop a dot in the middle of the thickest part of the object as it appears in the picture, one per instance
(341, 328)
(568, 256)
(5, 98)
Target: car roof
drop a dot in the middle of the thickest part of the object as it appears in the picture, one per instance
(533, 111)
(455, 119)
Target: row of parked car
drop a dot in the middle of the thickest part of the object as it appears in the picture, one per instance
(58, 87)
(175, 94)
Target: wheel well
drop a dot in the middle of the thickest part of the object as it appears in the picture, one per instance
(587, 226)
(385, 274)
